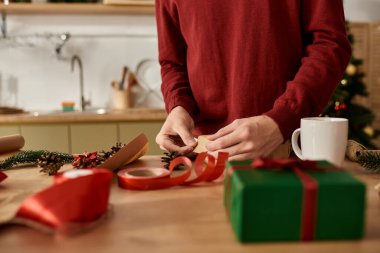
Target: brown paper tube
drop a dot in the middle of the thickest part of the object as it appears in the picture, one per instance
(11, 143)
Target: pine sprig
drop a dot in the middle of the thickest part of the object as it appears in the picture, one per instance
(30, 157)
(370, 160)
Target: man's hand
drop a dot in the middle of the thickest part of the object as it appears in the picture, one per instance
(247, 138)
(175, 134)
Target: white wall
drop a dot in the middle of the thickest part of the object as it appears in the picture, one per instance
(34, 78)
(362, 10)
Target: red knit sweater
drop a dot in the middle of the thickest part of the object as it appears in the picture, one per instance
(222, 59)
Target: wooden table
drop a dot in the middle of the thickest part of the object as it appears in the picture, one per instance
(181, 219)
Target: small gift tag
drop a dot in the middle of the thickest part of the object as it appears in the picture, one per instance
(201, 147)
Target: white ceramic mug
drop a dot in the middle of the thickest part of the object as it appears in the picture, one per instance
(322, 138)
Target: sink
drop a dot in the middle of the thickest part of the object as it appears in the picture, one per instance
(89, 111)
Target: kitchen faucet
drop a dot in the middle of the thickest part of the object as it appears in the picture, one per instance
(83, 101)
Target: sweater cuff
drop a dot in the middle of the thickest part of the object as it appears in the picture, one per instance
(286, 120)
(187, 103)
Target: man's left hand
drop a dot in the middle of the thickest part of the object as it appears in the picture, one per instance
(247, 138)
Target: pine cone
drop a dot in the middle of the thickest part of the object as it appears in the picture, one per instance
(354, 150)
(50, 162)
(86, 160)
(370, 160)
(168, 158)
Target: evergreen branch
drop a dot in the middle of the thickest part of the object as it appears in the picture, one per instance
(31, 157)
(370, 160)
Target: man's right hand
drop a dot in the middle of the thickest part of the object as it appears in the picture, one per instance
(176, 133)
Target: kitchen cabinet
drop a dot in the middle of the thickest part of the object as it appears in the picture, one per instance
(80, 137)
(9, 130)
(52, 137)
(92, 137)
(129, 130)
(77, 133)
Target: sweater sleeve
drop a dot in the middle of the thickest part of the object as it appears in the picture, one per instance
(326, 55)
(172, 50)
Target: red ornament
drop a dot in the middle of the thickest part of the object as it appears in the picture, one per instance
(343, 106)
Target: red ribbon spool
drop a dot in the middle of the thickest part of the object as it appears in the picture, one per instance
(213, 170)
(71, 204)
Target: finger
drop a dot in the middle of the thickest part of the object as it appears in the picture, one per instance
(174, 148)
(223, 131)
(176, 139)
(240, 148)
(187, 137)
(166, 143)
(223, 142)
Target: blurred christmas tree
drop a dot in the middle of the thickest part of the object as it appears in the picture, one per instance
(342, 103)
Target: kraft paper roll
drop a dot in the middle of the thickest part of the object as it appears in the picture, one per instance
(11, 143)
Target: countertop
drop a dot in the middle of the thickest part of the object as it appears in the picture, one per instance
(180, 219)
(134, 114)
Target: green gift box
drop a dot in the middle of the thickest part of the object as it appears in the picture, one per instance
(293, 202)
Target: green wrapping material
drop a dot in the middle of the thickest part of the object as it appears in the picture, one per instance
(266, 205)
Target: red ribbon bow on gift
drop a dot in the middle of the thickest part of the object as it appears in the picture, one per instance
(266, 163)
(74, 203)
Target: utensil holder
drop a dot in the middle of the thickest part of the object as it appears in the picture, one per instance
(122, 99)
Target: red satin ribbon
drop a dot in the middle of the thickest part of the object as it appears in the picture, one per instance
(310, 189)
(3, 176)
(211, 171)
(69, 201)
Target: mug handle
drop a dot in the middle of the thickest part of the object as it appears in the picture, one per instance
(295, 146)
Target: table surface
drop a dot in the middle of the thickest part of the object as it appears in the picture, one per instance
(180, 219)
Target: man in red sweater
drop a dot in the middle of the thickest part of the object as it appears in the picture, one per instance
(246, 71)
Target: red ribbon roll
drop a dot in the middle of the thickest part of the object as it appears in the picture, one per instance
(211, 171)
(71, 203)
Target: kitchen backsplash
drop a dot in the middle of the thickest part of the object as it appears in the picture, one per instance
(33, 77)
